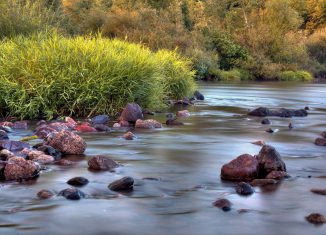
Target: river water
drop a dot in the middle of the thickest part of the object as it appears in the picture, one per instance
(177, 173)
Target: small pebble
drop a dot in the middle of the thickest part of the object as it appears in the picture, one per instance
(44, 194)
(316, 218)
(244, 188)
(223, 203)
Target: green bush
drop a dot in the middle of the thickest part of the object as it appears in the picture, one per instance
(45, 75)
(232, 75)
(295, 76)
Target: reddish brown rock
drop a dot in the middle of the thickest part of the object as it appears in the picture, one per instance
(18, 168)
(102, 163)
(243, 168)
(183, 113)
(320, 141)
(269, 160)
(126, 183)
(129, 136)
(223, 203)
(148, 124)
(262, 182)
(131, 113)
(67, 142)
(316, 218)
(44, 159)
(323, 134)
(64, 162)
(5, 154)
(85, 127)
(277, 175)
(45, 194)
(259, 142)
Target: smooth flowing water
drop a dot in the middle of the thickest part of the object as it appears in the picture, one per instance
(177, 173)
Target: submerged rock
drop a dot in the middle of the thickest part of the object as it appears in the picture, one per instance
(72, 194)
(102, 163)
(45, 194)
(12, 145)
(56, 154)
(269, 160)
(129, 136)
(243, 168)
(277, 175)
(148, 124)
(323, 134)
(67, 142)
(265, 121)
(319, 191)
(100, 119)
(316, 218)
(320, 141)
(131, 113)
(126, 183)
(78, 181)
(244, 188)
(223, 203)
(173, 122)
(18, 168)
(102, 127)
(263, 182)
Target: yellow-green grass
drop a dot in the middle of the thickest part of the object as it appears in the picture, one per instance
(47, 75)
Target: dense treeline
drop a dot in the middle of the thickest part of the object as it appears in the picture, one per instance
(225, 39)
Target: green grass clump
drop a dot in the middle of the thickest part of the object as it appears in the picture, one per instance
(46, 75)
(300, 75)
(233, 75)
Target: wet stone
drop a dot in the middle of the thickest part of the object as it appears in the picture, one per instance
(323, 134)
(100, 119)
(265, 121)
(64, 162)
(45, 194)
(3, 135)
(13, 145)
(316, 218)
(56, 154)
(319, 191)
(277, 175)
(72, 194)
(22, 125)
(148, 124)
(183, 113)
(2, 170)
(78, 181)
(102, 127)
(269, 160)
(126, 183)
(320, 141)
(198, 95)
(6, 154)
(102, 163)
(129, 136)
(223, 203)
(18, 168)
(131, 113)
(244, 188)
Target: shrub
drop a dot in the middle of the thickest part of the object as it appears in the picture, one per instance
(295, 76)
(45, 75)
(232, 75)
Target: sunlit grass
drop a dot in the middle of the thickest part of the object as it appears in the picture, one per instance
(47, 75)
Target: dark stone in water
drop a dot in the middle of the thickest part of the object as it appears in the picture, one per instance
(265, 121)
(319, 191)
(199, 96)
(13, 145)
(72, 194)
(269, 160)
(244, 188)
(277, 175)
(269, 130)
(102, 163)
(129, 136)
(56, 154)
(45, 194)
(323, 134)
(290, 125)
(2, 170)
(320, 141)
(78, 181)
(263, 112)
(102, 127)
(100, 119)
(223, 203)
(126, 183)
(173, 122)
(3, 135)
(316, 218)
(243, 168)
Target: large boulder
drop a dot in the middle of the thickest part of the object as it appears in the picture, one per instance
(244, 168)
(131, 113)
(18, 168)
(269, 160)
(66, 142)
(148, 124)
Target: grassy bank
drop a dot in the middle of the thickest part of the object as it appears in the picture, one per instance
(44, 75)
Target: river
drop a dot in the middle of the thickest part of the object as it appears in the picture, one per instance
(177, 173)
